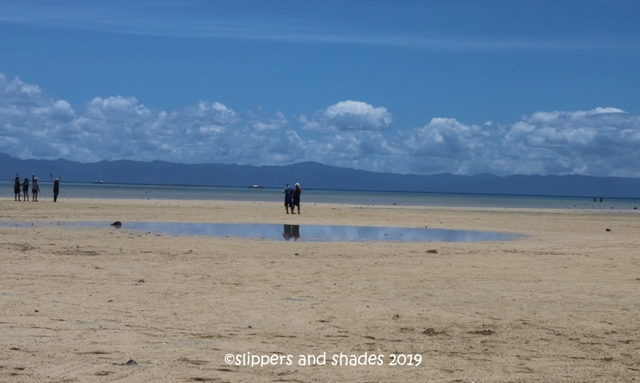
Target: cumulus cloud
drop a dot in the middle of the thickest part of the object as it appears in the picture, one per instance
(348, 116)
(33, 125)
(602, 141)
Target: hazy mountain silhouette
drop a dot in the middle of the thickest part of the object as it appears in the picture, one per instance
(313, 175)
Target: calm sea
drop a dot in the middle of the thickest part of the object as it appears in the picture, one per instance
(80, 190)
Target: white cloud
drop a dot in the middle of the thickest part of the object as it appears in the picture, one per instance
(348, 115)
(601, 141)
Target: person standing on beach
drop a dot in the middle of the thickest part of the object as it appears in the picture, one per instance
(25, 189)
(16, 187)
(296, 197)
(56, 187)
(288, 198)
(35, 189)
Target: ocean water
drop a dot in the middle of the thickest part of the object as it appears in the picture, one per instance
(112, 191)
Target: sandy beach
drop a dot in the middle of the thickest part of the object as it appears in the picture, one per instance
(76, 304)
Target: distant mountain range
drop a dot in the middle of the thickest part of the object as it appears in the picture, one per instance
(312, 175)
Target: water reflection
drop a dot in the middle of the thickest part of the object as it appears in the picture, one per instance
(291, 231)
(287, 232)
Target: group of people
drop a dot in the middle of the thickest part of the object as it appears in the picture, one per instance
(35, 188)
(292, 197)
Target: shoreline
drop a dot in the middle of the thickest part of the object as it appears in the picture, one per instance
(347, 197)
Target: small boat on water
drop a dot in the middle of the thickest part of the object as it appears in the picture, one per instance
(256, 187)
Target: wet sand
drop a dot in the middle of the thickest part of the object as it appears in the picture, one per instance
(561, 305)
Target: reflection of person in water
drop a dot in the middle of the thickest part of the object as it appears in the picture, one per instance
(287, 234)
(295, 231)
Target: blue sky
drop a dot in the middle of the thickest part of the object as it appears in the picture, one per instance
(467, 87)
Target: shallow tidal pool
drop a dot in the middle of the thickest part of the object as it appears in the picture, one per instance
(297, 233)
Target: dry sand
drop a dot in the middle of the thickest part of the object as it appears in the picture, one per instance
(561, 305)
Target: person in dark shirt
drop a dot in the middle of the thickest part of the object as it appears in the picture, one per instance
(56, 187)
(25, 189)
(16, 187)
(296, 197)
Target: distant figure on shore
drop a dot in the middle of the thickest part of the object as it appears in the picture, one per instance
(288, 198)
(25, 189)
(56, 187)
(35, 189)
(296, 197)
(16, 187)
